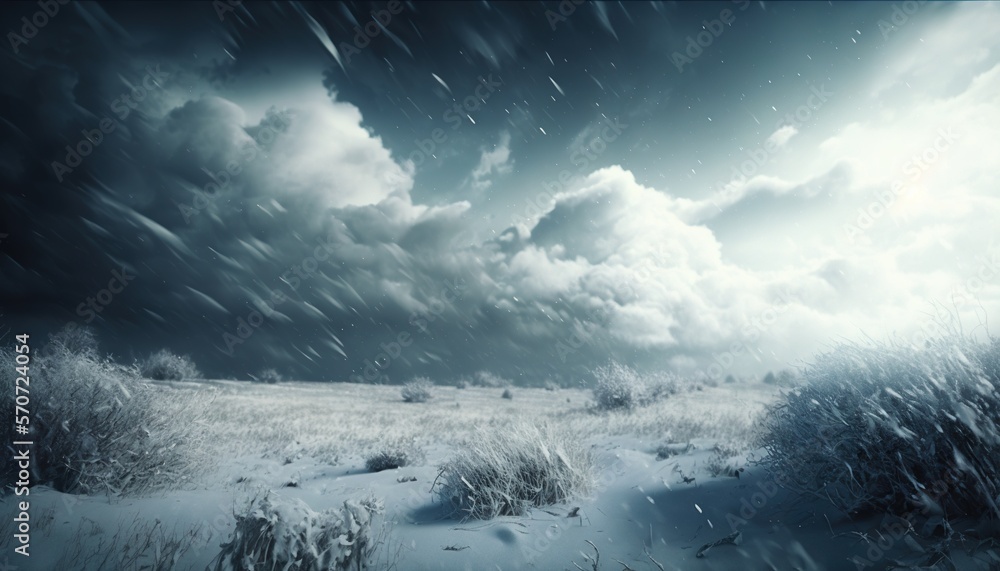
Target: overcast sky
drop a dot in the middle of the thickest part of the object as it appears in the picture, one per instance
(706, 188)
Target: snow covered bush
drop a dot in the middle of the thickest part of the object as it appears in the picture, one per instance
(390, 457)
(618, 387)
(507, 394)
(98, 427)
(166, 366)
(417, 390)
(786, 378)
(269, 376)
(894, 429)
(135, 545)
(507, 469)
(488, 380)
(285, 534)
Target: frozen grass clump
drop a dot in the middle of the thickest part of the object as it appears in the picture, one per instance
(269, 376)
(135, 545)
(390, 457)
(98, 427)
(417, 390)
(894, 429)
(506, 470)
(620, 387)
(285, 534)
(489, 380)
(166, 366)
(386, 460)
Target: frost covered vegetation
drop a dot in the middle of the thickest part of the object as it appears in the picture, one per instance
(895, 429)
(417, 390)
(285, 534)
(503, 470)
(269, 376)
(333, 422)
(134, 546)
(484, 379)
(390, 457)
(619, 387)
(870, 430)
(98, 426)
(166, 366)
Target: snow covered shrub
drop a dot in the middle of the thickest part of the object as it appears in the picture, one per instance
(489, 380)
(166, 366)
(507, 394)
(785, 378)
(660, 386)
(618, 387)
(507, 469)
(135, 545)
(269, 376)
(98, 427)
(80, 340)
(285, 534)
(389, 458)
(417, 390)
(892, 428)
(726, 460)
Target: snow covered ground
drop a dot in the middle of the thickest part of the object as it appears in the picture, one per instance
(668, 482)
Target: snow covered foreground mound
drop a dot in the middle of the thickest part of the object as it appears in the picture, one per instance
(285, 534)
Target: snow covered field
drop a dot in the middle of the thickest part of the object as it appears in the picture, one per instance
(309, 441)
(664, 484)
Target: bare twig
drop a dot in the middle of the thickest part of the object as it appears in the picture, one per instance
(732, 539)
(596, 563)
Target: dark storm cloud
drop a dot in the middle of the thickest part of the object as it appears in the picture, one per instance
(294, 241)
(264, 173)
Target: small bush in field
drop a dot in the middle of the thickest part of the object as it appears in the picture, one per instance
(462, 384)
(618, 387)
(785, 378)
(286, 534)
(269, 376)
(489, 380)
(166, 366)
(98, 426)
(507, 394)
(417, 390)
(725, 461)
(389, 458)
(506, 471)
(730, 380)
(894, 429)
